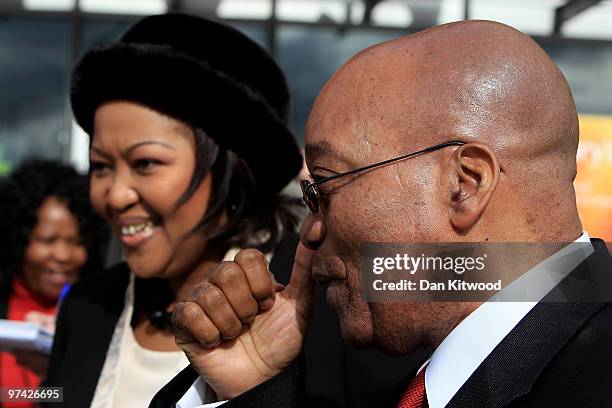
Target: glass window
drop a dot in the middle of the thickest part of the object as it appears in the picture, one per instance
(255, 31)
(99, 31)
(588, 69)
(35, 60)
(309, 56)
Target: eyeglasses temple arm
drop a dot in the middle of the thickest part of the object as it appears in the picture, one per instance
(371, 166)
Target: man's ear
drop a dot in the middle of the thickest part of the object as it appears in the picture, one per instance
(474, 173)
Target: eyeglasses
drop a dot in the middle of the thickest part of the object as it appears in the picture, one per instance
(310, 190)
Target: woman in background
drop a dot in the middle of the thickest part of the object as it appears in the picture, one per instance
(189, 151)
(51, 238)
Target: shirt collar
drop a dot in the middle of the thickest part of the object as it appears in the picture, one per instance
(469, 344)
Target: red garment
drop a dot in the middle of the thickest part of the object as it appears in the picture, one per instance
(20, 302)
(415, 396)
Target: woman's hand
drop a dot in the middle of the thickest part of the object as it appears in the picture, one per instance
(42, 319)
(35, 361)
(241, 328)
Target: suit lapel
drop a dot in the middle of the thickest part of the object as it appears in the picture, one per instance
(516, 363)
(91, 342)
(173, 391)
(510, 371)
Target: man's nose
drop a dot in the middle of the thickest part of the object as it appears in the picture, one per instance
(121, 195)
(313, 231)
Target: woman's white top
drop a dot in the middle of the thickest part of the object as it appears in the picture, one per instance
(131, 374)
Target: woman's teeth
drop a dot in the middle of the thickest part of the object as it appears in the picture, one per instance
(136, 228)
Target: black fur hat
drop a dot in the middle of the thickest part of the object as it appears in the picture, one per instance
(204, 73)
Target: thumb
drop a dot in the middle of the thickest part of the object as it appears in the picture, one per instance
(301, 281)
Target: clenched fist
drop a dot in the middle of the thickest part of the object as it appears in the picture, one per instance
(240, 327)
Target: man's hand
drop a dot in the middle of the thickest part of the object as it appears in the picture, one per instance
(241, 327)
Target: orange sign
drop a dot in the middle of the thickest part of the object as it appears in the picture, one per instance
(594, 180)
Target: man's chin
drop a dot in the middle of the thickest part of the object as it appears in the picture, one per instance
(396, 342)
(354, 316)
(356, 336)
(393, 350)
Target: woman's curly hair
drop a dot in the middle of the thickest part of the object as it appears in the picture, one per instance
(23, 193)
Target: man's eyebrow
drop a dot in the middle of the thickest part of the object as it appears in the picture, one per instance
(322, 148)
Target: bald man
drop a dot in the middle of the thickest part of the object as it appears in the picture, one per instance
(495, 128)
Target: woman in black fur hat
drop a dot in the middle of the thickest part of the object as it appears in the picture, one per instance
(189, 150)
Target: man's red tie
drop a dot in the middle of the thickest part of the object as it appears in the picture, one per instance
(415, 397)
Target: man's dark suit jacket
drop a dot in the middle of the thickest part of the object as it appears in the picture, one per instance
(89, 313)
(559, 355)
